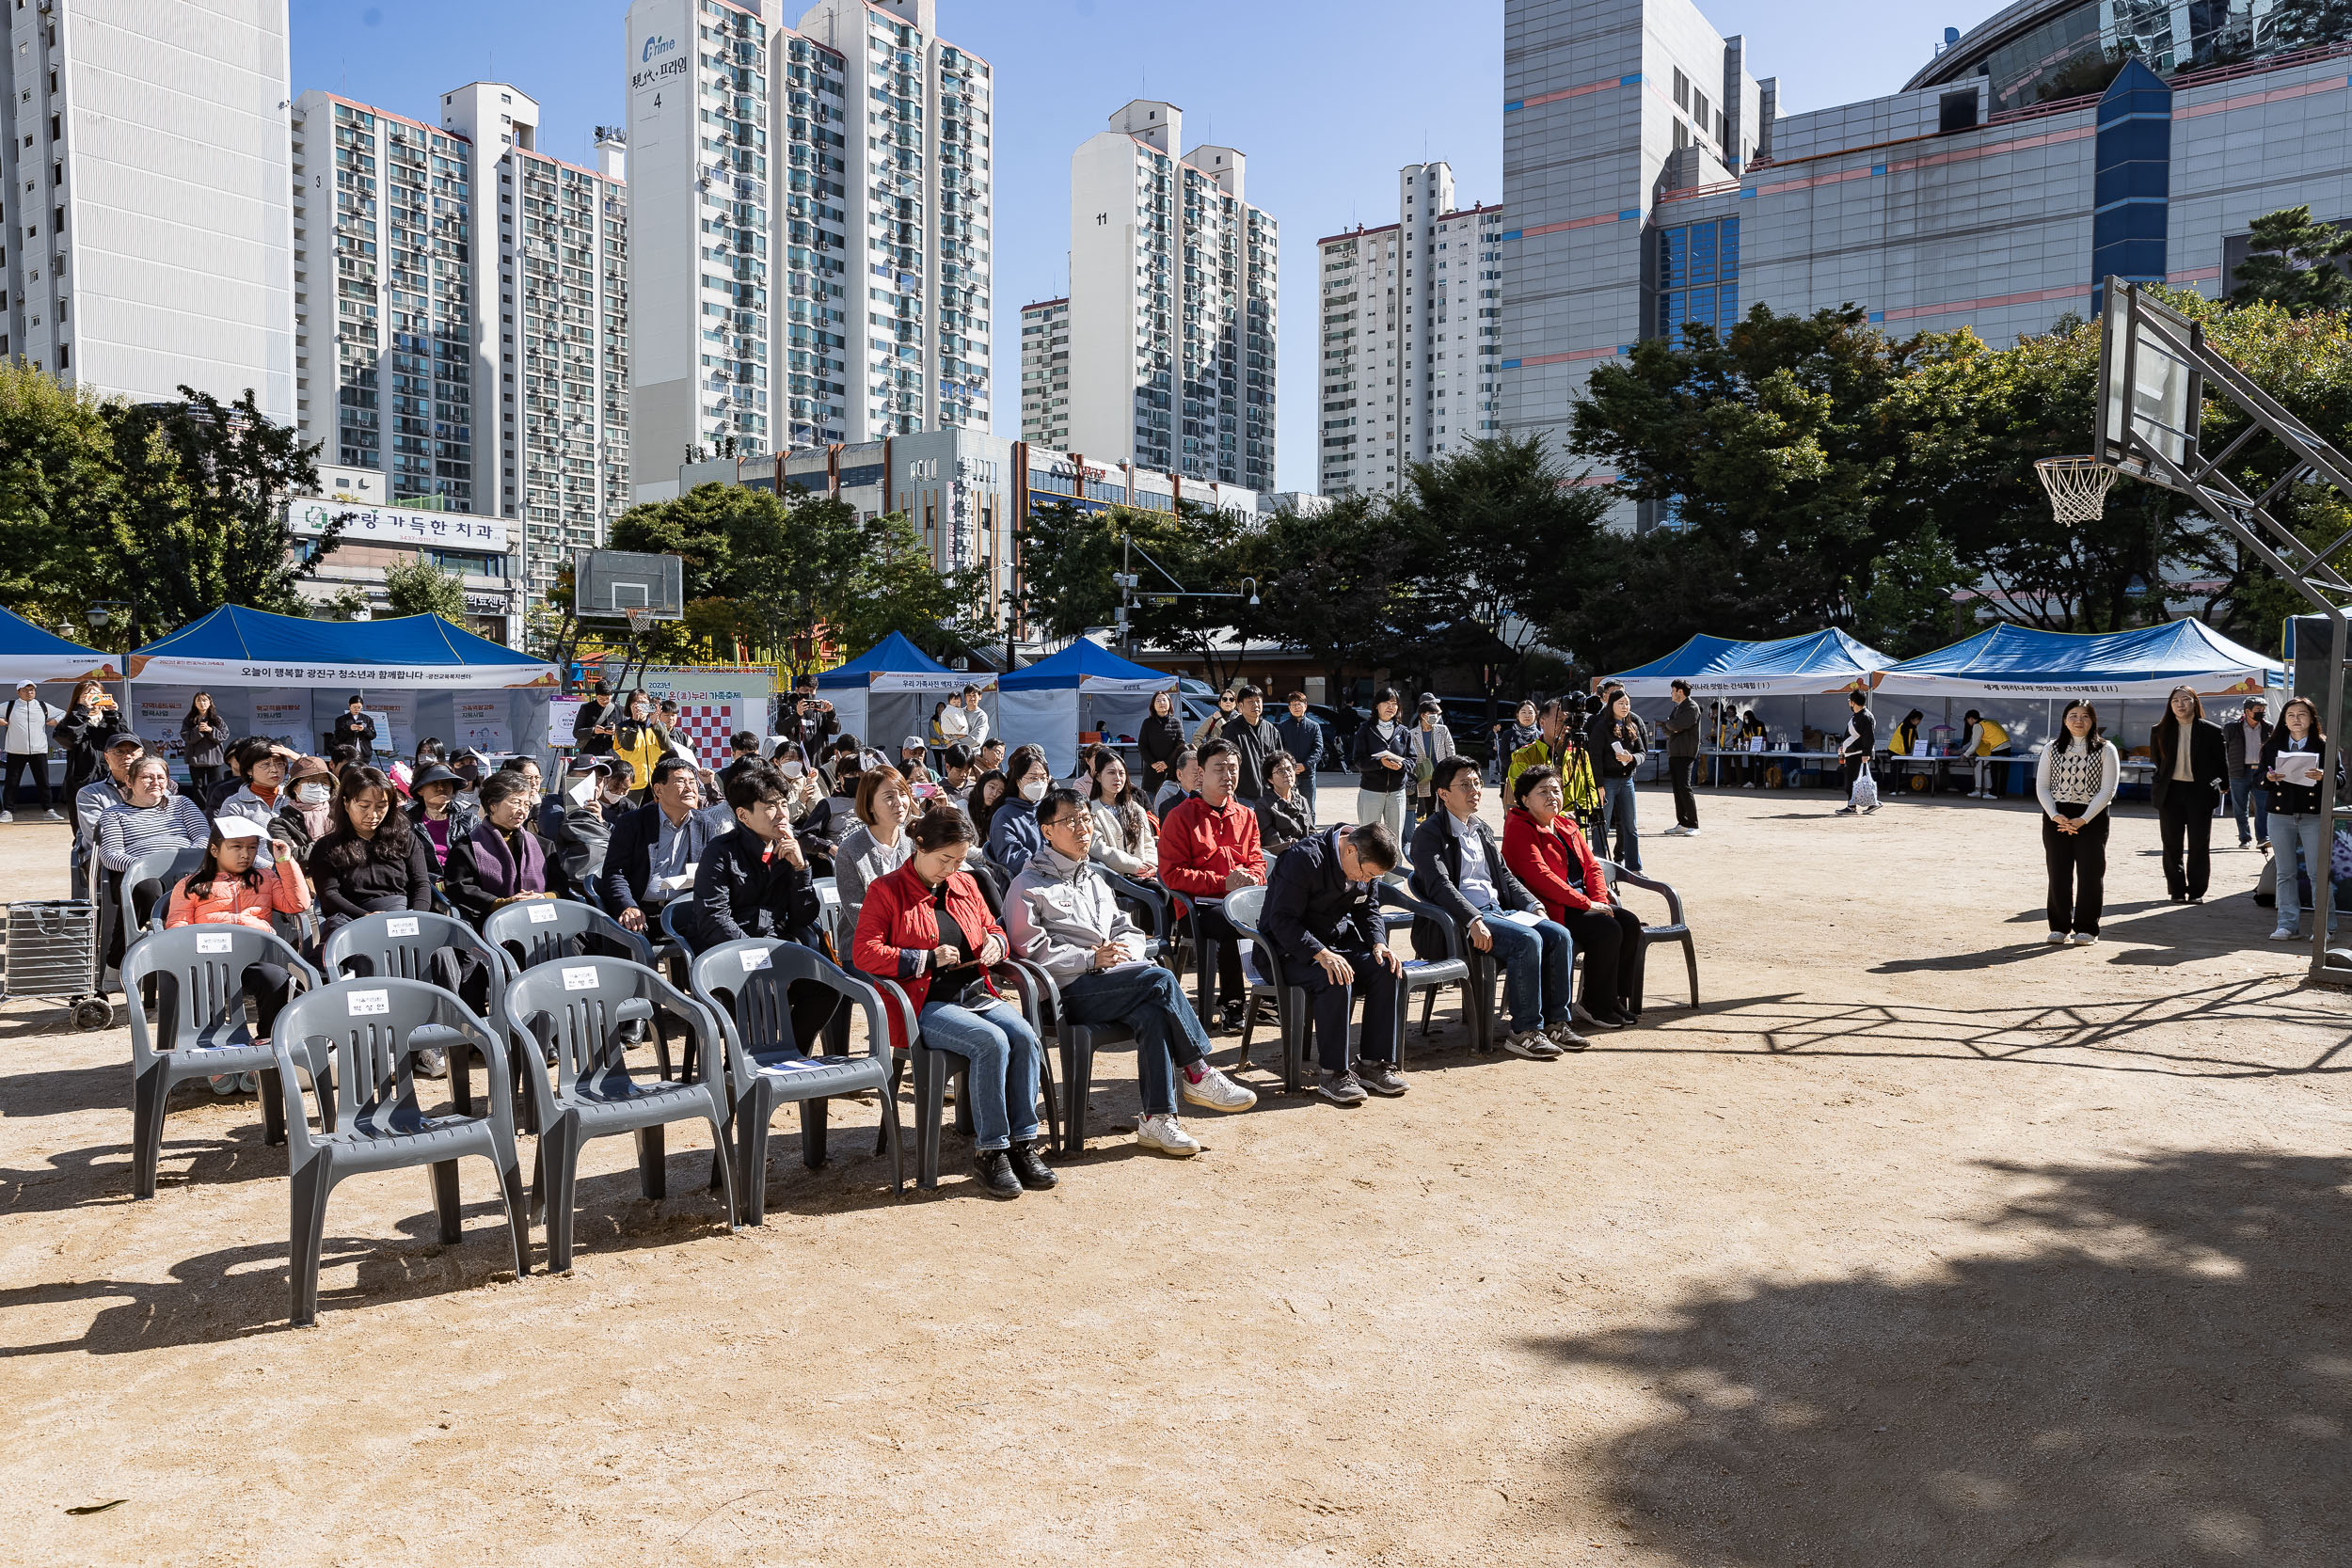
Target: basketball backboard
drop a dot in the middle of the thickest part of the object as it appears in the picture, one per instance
(2148, 387)
(609, 585)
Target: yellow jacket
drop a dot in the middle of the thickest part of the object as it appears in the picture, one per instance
(652, 745)
(1991, 738)
(1578, 790)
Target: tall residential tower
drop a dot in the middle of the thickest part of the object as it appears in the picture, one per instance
(1045, 373)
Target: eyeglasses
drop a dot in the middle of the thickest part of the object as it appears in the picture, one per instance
(1077, 822)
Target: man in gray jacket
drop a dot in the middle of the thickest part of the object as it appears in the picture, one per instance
(1681, 729)
(1062, 917)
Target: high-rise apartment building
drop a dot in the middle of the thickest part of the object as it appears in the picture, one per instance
(1171, 304)
(1411, 335)
(811, 235)
(461, 313)
(1045, 373)
(146, 236)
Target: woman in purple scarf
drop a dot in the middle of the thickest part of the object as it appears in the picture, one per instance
(501, 859)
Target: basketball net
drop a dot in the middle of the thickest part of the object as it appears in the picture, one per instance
(2077, 487)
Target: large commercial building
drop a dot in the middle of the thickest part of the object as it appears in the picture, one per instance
(1171, 304)
(461, 305)
(1045, 373)
(146, 236)
(811, 237)
(1651, 182)
(1411, 335)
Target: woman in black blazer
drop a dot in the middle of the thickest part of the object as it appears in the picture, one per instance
(2189, 781)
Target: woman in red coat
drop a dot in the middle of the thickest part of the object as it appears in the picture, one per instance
(925, 927)
(1547, 850)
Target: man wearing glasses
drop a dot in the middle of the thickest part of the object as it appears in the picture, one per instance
(1062, 917)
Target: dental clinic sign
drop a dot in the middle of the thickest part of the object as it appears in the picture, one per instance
(402, 525)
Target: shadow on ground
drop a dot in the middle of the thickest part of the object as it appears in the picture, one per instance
(2156, 1368)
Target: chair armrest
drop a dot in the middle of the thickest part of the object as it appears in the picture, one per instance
(1033, 985)
(1152, 898)
(895, 998)
(701, 1020)
(1673, 899)
(1388, 893)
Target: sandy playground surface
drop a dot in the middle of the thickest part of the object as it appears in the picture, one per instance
(1919, 1242)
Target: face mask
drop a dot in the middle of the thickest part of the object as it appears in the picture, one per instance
(310, 794)
(793, 769)
(1033, 790)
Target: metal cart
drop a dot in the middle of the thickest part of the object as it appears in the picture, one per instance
(49, 948)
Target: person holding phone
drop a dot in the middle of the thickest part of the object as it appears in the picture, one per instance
(91, 722)
(1384, 767)
(356, 729)
(203, 734)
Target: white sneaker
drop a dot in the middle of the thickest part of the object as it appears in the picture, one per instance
(2056, 939)
(1530, 1044)
(1216, 1092)
(2086, 939)
(1166, 1135)
(2284, 933)
(51, 816)
(1677, 831)
(8, 817)
(224, 1084)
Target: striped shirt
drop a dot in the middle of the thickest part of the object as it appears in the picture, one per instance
(126, 831)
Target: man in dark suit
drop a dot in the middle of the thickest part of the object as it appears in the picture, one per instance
(1458, 867)
(355, 728)
(656, 847)
(1320, 917)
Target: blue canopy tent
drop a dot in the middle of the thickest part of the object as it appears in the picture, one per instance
(288, 677)
(29, 654)
(1822, 662)
(2008, 660)
(887, 693)
(1084, 687)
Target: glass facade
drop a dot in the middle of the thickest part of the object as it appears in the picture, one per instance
(2072, 52)
(1694, 277)
(2132, 179)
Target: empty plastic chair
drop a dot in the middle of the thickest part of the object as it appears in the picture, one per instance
(746, 984)
(1244, 909)
(200, 1027)
(1678, 928)
(414, 945)
(1427, 975)
(373, 1121)
(578, 1009)
(533, 932)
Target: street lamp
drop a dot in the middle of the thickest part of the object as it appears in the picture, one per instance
(102, 611)
(1128, 583)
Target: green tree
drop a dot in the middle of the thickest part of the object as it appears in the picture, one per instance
(1327, 584)
(421, 588)
(345, 604)
(60, 491)
(2294, 264)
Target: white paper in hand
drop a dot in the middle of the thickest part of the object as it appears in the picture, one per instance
(2299, 768)
(212, 941)
(580, 978)
(403, 927)
(370, 1004)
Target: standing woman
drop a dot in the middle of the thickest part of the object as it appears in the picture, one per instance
(90, 721)
(2292, 763)
(1384, 767)
(1620, 743)
(2192, 777)
(2075, 783)
(202, 736)
(642, 742)
(1432, 743)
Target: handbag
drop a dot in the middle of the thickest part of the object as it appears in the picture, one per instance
(1866, 790)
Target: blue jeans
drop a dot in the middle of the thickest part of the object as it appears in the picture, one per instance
(2250, 789)
(1151, 1000)
(1536, 962)
(1616, 810)
(2309, 835)
(1003, 1052)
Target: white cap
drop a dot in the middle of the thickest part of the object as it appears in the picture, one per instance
(912, 743)
(237, 826)
(28, 685)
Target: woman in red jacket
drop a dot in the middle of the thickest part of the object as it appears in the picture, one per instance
(925, 927)
(1547, 850)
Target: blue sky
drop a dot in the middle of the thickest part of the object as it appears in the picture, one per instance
(1327, 97)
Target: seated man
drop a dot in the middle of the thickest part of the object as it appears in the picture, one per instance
(742, 750)
(1184, 784)
(990, 758)
(755, 881)
(957, 764)
(574, 827)
(656, 846)
(1062, 917)
(1208, 848)
(1458, 867)
(1320, 916)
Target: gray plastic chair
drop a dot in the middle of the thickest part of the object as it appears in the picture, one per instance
(1676, 929)
(746, 984)
(539, 930)
(1078, 1043)
(416, 944)
(200, 1027)
(1428, 975)
(578, 1007)
(1245, 908)
(371, 1114)
(152, 877)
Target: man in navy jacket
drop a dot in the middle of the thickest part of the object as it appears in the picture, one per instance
(1319, 915)
(656, 845)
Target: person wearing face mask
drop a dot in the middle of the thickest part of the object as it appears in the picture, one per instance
(307, 813)
(639, 741)
(617, 791)
(502, 861)
(657, 848)
(1012, 834)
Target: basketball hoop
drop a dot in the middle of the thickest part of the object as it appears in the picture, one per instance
(638, 617)
(2078, 485)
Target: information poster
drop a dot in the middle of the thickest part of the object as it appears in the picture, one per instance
(395, 716)
(157, 722)
(714, 701)
(482, 726)
(285, 718)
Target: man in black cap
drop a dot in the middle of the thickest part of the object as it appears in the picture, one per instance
(355, 728)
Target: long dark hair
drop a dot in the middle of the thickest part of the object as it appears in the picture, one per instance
(630, 731)
(2091, 742)
(342, 849)
(200, 883)
(210, 709)
(2281, 736)
(2168, 728)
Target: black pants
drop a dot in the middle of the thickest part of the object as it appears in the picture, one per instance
(1216, 930)
(270, 986)
(2078, 871)
(1686, 804)
(1384, 1009)
(18, 764)
(202, 780)
(1610, 940)
(2185, 821)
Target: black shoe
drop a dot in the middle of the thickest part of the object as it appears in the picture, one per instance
(1032, 1172)
(995, 1169)
(1380, 1078)
(1610, 1020)
(1230, 1015)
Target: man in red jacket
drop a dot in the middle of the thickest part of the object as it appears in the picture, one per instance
(1208, 848)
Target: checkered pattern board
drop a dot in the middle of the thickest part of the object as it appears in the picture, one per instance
(709, 728)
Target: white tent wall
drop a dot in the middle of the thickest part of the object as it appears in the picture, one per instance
(1048, 719)
(849, 712)
(498, 720)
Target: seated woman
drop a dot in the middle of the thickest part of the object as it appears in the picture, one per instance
(1012, 835)
(434, 789)
(1285, 816)
(227, 889)
(1547, 850)
(1126, 840)
(878, 844)
(371, 861)
(500, 860)
(925, 927)
(151, 819)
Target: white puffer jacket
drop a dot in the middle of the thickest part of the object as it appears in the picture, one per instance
(28, 726)
(1058, 912)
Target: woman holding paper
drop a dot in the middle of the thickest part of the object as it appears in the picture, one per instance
(2075, 783)
(2192, 777)
(2292, 760)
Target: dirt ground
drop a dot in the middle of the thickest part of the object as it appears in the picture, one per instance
(1918, 1243)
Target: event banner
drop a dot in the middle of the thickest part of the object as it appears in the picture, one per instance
(157, 720)
(284, 717)
(395, 716)
(714, 701)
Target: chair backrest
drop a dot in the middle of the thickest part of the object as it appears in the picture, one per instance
(1150, 902)
(533, 932)
(1387, 892)
(403, 945)
(200, 973)
(377, 1025)
(1244, 907)
(575, 1006)
(748, 984)
(674, 923)
(152, 877)
(993, 880)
